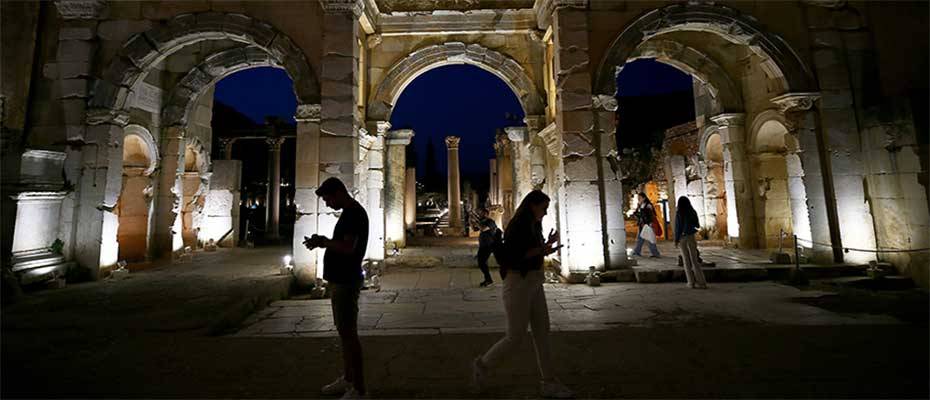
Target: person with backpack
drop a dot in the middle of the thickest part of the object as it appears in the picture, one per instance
(488, 237)
(521, 256)
(686, 226)
(646, 219)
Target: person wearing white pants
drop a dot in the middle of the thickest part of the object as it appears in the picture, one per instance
(686, 227)
(523, 294)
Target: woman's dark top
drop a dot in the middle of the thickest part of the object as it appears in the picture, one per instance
(646, 215)
(519, 241)
(686, 223)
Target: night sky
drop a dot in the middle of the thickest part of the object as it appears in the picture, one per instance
(457, 100)
(258, 92)
(461, 100)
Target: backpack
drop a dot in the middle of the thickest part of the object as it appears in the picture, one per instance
(500, 252)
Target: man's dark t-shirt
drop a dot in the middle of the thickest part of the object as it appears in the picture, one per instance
(347, 268)
(486, 237)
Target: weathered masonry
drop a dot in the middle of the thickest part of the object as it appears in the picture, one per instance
(810, 120)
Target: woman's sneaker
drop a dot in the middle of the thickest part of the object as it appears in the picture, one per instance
(339, 386)
(478, 375)
(555, 390)
(486, 283)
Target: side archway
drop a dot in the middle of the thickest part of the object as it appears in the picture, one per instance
(144, 50)
(420, 61)
(780, 61)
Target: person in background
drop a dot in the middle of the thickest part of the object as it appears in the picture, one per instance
(686, 226)
(523, 294)
(645, 216)
(342, 269)
(486, 240)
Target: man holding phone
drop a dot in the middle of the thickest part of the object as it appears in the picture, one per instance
(342, 269)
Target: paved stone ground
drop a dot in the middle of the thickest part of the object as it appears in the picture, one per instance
(571, 308)
(149, 336)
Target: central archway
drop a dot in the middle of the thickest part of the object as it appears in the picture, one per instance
(420, 61)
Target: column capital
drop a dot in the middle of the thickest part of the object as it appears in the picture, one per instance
(729, 119)
(795, 102)
(307, 113)
(544, 9)
(81, 9)
(452, 142)
(399, 137)
(274, 143)
(355, 7)
(381, 127)
(535, 122)
(603, 102)
(516, 133)
(553, 139)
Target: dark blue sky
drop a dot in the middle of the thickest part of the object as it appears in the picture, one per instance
(258, 92)
(647, 77)
(460, 100)
(457, 100)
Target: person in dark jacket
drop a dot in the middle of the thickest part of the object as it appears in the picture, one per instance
(486, 239)
(686, 226)
(523, 294)
(645, 215)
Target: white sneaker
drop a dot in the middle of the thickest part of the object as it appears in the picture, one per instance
(556, 390)
(478, 375)
(339, 386)
(353, 394)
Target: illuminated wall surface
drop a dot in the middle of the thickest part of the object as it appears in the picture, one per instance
(807, 121)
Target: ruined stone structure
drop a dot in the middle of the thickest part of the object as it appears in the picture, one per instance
(806, 119)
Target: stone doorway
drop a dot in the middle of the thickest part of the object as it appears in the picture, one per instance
(140, 158)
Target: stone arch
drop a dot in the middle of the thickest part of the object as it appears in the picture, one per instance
(764, 117)
(420, 61)
(773, 150)
(146, 142)
(182, 98)
(780, 60)
(143, 50)
(726, 95)
(140, 159)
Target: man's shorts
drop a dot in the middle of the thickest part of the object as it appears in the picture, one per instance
(344, 299)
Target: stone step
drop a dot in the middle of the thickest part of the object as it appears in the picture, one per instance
(739, 273)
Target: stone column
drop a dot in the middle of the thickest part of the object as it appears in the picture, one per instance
(740, 215)
(455, 196)
(494, 184)
(813, 219)
(521, 156)
(339, 118)
(273, 209)
(395, 190)
(410, 200)
(613, 221)
(502, 150)
(167, 232)
(582, 207)
(375, 189)
(307, 180)
(101, 183)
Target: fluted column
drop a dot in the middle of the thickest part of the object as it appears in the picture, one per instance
(273, 209)
(455, 195)
(395, 191)
(306, 202)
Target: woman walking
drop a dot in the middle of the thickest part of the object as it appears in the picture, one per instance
(686, 226)
(645, 216)
(523, 295)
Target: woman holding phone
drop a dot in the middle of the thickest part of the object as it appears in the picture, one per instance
(523, 294)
